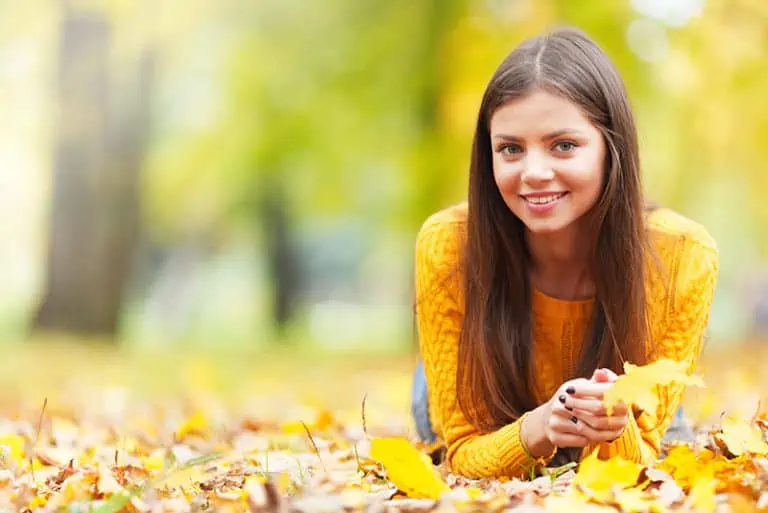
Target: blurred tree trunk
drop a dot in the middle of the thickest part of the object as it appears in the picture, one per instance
(94, 218)
(282, 258)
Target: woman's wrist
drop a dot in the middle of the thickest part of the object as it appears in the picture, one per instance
(534, 434)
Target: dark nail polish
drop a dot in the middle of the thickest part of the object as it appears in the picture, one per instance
(570, 390)
(574, 420)
(561, 399)
(569, 408)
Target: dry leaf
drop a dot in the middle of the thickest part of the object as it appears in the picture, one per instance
(570, 503)
(637, 385)
(635, 500)
(740, 437)
(670, 493)
(410, 470)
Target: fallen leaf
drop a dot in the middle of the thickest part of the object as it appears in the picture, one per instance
(38, 502)
(638, 383)
(599, 477)
(635, 500)
(702, 496)
(195, 424)
(12, 447)
(571, 502)
(685, 465)
(739, 503)
(107, 484)
(670, 493)
(740, 437)
(410, 470)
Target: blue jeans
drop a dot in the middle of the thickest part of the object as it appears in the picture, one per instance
(679, 430)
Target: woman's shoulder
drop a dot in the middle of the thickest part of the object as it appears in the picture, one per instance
(669, 228)
(441, 236)
(449, 218)
(685, 249)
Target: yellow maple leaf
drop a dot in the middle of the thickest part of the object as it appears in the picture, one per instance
(637, 384)
(702, 496)
(599, 477)
(155, 461)
(741, 437)
(196, 424)
(12, 447)
(685, 465)
(410, 470)
(38, 502)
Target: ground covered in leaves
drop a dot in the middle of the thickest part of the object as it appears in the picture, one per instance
(99, 430)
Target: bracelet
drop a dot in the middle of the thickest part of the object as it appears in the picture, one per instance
(543, 460)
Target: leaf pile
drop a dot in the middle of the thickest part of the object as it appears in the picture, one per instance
(191, 453)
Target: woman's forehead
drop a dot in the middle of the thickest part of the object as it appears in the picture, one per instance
(539, 111)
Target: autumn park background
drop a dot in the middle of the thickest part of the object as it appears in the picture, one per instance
(217, 200)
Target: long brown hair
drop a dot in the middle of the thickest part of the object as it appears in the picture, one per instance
(495, 352)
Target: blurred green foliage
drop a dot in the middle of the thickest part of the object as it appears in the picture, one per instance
(357, 117)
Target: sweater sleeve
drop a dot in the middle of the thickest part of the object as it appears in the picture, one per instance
(692, 283)
(469, 452)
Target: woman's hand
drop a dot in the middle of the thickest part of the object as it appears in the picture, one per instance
(552, 425)
(575, 416)
(586, 405)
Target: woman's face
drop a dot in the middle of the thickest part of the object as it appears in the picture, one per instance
(548, 160)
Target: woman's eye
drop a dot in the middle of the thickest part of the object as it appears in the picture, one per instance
(510, 149)
(565, 146)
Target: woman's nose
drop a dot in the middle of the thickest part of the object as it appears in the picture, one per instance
(537, 169)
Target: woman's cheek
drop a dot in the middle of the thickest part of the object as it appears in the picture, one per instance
(507, 177)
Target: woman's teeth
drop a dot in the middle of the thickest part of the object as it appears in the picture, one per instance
(541, 200)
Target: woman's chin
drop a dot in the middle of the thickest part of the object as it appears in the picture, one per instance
(545, 226)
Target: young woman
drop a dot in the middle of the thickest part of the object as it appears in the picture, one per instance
(532, 294)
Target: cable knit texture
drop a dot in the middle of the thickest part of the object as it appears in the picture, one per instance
(679, 293)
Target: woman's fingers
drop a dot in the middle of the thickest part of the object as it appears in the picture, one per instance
(595, 435)
(568, 421)
(593, 406)
(588, 389)
(601, 423)
(565, 432)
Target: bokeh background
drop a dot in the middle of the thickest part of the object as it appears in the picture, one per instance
(239, 175)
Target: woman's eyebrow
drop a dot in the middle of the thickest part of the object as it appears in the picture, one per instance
(545, 137)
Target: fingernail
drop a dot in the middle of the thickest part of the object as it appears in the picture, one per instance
(574, 420)
(561, 399)
(570, 390)
(569, 408)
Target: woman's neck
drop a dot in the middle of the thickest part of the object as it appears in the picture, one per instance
(560, 263)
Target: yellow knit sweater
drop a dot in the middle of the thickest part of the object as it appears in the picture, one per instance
(679, 302)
